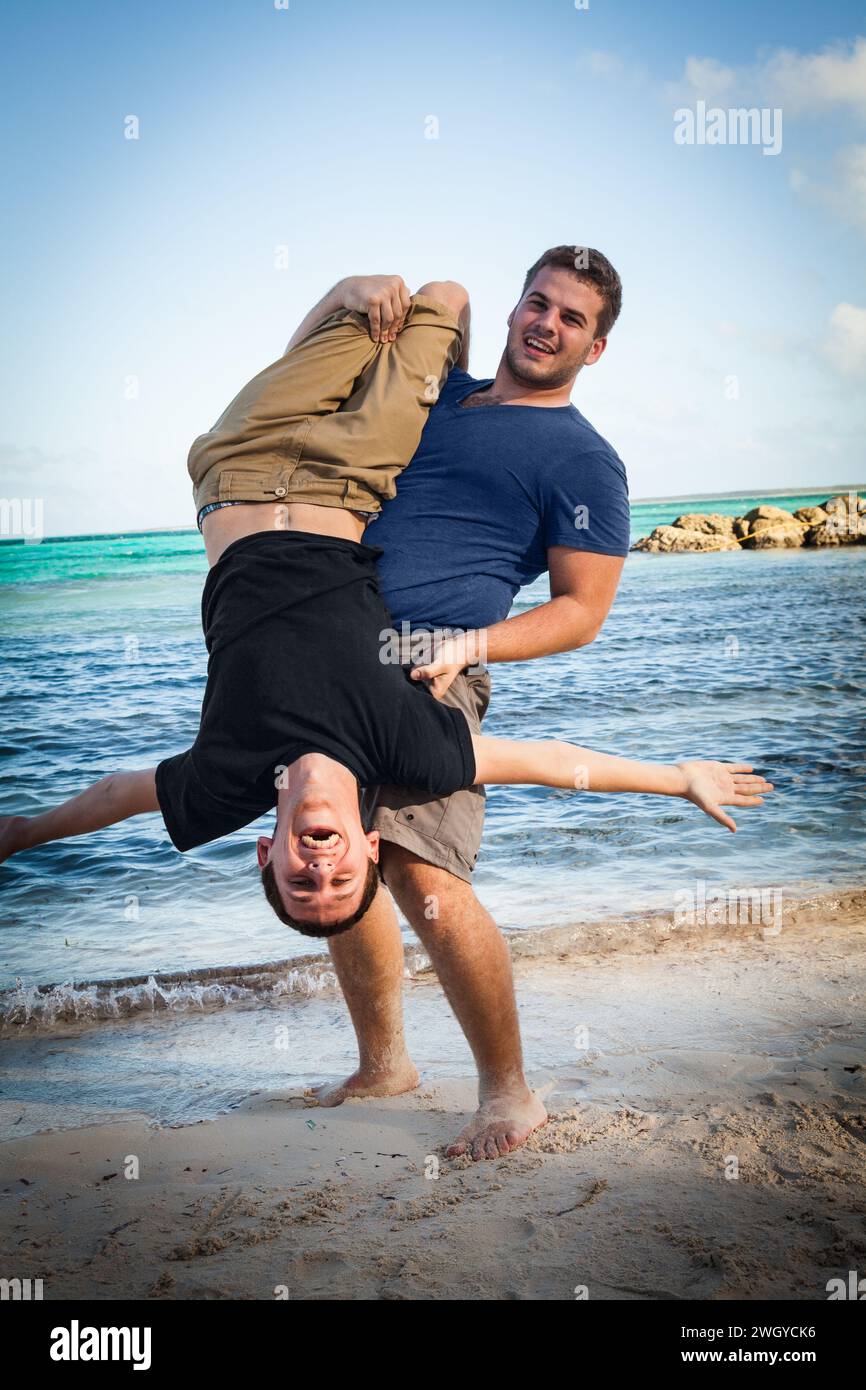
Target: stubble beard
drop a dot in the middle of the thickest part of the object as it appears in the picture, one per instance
(558, 375)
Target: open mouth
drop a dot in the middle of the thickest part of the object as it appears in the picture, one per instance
(537, 347)
(320, 837)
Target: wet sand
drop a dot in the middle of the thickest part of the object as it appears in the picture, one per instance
(676, 1058)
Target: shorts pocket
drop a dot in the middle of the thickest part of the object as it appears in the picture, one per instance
(253, 484)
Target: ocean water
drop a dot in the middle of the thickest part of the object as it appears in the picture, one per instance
(746, 656)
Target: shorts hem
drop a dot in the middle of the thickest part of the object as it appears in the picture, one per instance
(440, 856)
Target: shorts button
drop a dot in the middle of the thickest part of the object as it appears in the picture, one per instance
(281, 490)
(410, 815)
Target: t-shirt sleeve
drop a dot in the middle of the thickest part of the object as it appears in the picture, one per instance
(433, 748)
(585, 505)
(193, 815)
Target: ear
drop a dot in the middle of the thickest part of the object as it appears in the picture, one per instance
(595, 351)
(510, 318)
(263, 849)
(372, 837)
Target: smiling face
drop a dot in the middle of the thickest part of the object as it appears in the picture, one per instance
(320, 859)
(552, 330)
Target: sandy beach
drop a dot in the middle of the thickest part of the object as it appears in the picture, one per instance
(678, 1057)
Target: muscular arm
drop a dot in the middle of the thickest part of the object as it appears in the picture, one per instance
(582, 588)
(114, 798)
(551, 763)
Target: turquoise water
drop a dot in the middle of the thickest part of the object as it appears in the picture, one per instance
(739, 655)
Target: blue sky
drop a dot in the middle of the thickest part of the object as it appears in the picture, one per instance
(142, 288)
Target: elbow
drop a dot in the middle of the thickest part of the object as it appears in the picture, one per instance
(583, 636)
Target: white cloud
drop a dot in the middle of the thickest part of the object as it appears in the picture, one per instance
(845, 346)
(818, 81)
(801, 83)
(709, 78)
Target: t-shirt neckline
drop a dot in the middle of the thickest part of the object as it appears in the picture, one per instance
(485, 382)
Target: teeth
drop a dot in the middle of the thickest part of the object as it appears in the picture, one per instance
(314, 842)
(537, 343)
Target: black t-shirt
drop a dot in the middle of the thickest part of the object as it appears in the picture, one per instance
(294, 626)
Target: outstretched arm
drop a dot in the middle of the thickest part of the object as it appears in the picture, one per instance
(114, 798)
(549, 763)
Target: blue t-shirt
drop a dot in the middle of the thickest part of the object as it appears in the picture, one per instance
(490, 488)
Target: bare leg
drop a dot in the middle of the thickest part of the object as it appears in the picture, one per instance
(369, 963)
(470, 957)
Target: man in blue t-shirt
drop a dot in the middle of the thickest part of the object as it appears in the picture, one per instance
(509, 481)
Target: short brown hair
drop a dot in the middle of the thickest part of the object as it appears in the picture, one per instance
(592, 268)
(272, 893)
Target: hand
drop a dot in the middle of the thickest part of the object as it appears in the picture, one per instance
(384, 299)
(452, 655)
(712, 785)
(11, 836)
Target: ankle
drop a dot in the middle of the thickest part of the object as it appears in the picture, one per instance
(494, 1085)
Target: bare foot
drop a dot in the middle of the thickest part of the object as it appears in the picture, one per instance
(392, 1082)
(501, 1123)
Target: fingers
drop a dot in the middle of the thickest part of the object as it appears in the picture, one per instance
(400, 306)
(387, 308)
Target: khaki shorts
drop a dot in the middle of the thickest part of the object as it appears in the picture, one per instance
(446, 831)
(335, 420)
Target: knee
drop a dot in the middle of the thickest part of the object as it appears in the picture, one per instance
(424, 893)
(448, 292)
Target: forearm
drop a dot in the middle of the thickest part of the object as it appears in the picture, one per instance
(328, 304)
(114, 798)
(550, 763)
(560, 625)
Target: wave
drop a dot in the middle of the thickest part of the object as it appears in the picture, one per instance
(36, 1008)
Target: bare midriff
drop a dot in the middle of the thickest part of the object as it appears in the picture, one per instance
(228, 524)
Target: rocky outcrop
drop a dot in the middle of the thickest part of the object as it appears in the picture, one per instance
(713, 523)
(841, 520)
(761, 517)
(666, 539)
(774, 537)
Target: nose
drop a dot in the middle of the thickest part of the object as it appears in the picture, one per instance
(547, 319)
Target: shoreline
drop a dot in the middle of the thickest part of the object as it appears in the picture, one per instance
(38, 1009)
(696, 1050)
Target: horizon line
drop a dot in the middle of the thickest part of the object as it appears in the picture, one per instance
(828, 489)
